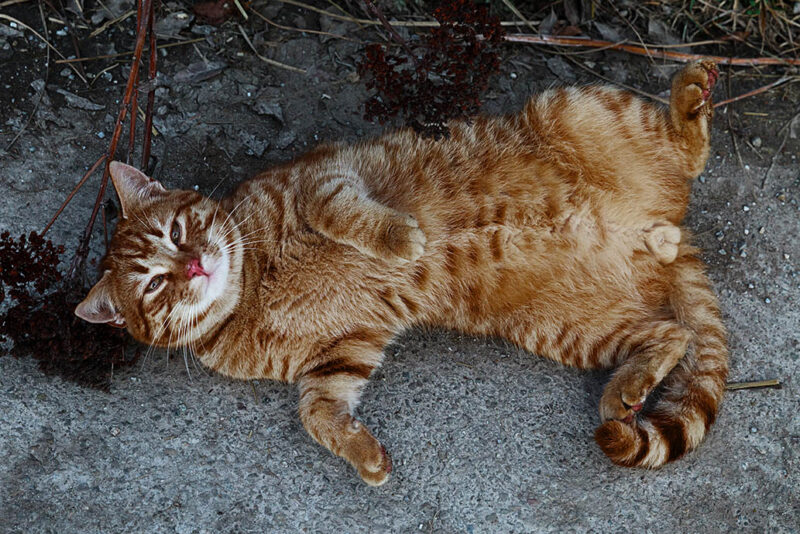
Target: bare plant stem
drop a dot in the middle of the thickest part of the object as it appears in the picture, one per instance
(773, 383)
(641, 51)
(151, 89)
(82, 253)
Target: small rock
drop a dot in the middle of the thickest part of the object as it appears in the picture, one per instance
(115, 431)
(80, 102)
(5, 31)
(65, 72)
(101, 135)
(756, 141)
(767, 300)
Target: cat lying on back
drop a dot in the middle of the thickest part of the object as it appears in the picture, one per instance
(556, 228)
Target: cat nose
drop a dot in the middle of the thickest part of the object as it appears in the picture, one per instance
(193, 268)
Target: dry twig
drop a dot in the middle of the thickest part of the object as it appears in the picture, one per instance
(772, 383)
(657, 52)
(266, 59)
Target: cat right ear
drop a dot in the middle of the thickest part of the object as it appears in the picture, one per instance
(133, 186)
(97, 307)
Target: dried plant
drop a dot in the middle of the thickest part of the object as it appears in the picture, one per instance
(442, 77)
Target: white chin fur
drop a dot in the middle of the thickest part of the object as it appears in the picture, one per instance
(213, 286)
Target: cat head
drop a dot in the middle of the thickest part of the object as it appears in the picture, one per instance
(173, 267)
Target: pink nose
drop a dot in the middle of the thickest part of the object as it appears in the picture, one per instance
(194, 269)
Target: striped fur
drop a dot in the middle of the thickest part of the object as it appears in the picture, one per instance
(557, 228)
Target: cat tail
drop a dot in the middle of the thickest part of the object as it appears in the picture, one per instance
(692, 391)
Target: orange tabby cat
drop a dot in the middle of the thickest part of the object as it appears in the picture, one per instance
(556, 228)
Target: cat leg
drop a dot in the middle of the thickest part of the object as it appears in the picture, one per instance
(329, 391)
(662, 240)
(655, 349)
(341, 210)
(691, 110)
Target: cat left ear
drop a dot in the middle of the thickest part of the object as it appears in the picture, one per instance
(97, 307)
(133, 186)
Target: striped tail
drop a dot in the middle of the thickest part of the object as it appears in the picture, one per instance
(692, 391)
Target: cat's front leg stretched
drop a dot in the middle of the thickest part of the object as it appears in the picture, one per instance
(329, 391)
(340, 209)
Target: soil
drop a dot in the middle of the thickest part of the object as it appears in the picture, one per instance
(485, 438)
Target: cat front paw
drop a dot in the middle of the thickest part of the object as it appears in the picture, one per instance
(404, 238)
(662, 241)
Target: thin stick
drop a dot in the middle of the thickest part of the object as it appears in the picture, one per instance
(128, 53)
(372, 8)
(40, 94)
(753, 92)
(773, 383)
(151, 93)
(83, 247)
(369, 22)
(266, 59)
(780, 148)
(628, 87)
(51, 47)
(134, 105)
(110, 23)
(519, 14)
(74, 190)
(241, 9)
(302, 30)
(640, 51)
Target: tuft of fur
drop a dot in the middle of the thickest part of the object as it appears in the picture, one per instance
(558, 228)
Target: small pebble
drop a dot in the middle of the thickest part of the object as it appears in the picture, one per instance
(753, 429)
(767, 300)
(702, 179)
(756, 141)
(747, 167)
(101, 135)
(746, 208)
(62, 33)
(115, 431)
(196, 187)
(722, 251)
(785, 256)
(746, 231)
(513, 75)
(64, 72)
(751, 286)
(761, 230)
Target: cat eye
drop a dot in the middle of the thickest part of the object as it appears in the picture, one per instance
(175, 234)
(155, 283)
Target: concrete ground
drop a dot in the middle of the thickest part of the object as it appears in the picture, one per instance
(484, 437)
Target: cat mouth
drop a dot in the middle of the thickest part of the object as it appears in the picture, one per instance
(209, 276)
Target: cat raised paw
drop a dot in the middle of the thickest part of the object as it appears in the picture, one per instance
(662, 241)
(404, 238)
